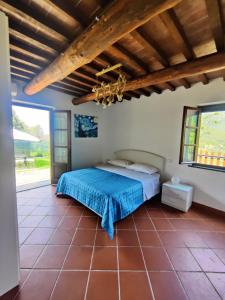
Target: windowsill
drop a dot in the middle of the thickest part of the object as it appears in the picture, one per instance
(207, 167)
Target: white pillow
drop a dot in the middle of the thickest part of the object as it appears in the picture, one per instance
(120, 162)
(145, 168)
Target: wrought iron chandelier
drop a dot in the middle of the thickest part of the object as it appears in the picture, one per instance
(108, 93)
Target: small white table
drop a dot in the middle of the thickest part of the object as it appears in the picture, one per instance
(177, 195)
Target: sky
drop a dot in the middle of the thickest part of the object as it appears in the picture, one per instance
(33, 117)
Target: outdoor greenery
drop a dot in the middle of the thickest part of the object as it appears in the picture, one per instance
(31, 154)
(212, 134)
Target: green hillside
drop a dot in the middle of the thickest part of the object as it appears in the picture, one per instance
(212, 133)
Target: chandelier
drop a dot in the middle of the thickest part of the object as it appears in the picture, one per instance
(108, 93)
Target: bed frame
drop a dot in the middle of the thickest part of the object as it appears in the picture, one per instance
(141, 156)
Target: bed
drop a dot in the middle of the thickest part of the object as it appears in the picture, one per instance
(113, 192)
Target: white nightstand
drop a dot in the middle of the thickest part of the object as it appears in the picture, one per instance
(177, 195)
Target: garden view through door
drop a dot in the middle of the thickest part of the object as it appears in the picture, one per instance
(31, 131)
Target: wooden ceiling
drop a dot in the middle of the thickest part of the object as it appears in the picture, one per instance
(41, 29)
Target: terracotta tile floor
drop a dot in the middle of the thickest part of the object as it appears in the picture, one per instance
(157, 253)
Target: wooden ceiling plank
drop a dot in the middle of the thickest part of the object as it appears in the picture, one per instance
(118, 19)
(32, 23)
(59, 14)
(17, 76)
(196, 67)
(179, 35)
(36, 44)
(62, 83)
(216, 23)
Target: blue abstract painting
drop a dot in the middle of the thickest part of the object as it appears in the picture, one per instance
(85, 126)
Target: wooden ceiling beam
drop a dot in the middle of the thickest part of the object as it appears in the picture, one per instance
(216, 22)
(118, 19)
(198, 66)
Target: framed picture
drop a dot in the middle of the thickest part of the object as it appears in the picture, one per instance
(85, 126)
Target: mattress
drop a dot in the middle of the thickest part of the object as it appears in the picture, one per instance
(150, 183)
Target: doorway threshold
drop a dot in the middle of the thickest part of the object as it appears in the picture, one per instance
(31, 186)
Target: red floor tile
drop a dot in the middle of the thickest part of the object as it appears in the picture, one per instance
(197, 286)
(166, 286)
(220, 253)
(50, 221)
(130, 258)
(208, 260)
(189, 224)
(104, 258)
(134, 285)
(149, 238)
(141, 212)
(75, 211)
(126, 223)
(127, 238)
(29, 254)
(41, 211)
(79, 258)
(186, 236)
(218, 281)
(88, 222)
(39, 236)
(31, 221)
(62, 237)
(84, 237)
(213, 239)
(156, 259)
(24, 233)
(162, 224)
(69, 222)
(103, 285)
(25, 210)
(156, 213)
(182, 259)
(38, 286)
(71, 285)
(143, 224)
(58, 211)
(52, 257)
(102, 239)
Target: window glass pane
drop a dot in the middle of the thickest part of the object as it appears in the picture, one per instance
(60, 120)
(60, 138)
(189, 137)
(60, 155)
(192, 118)
(188, 155)
(211, 149)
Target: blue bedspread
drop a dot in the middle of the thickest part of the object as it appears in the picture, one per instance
(111, 196)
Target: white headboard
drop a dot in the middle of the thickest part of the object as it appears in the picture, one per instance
(141, 156)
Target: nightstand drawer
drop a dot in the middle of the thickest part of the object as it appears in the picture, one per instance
(175, 193)
(176, 203)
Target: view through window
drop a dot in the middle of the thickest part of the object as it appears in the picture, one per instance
(203, 136)
(211, 149)
(31, 146)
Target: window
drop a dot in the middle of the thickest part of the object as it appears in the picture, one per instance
(203, 137)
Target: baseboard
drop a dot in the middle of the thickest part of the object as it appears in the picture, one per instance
(208, 209)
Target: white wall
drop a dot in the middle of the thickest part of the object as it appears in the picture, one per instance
(85, 151)
(9, 262)
(154, 124)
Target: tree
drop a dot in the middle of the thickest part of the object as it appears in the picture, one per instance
(18, 123)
